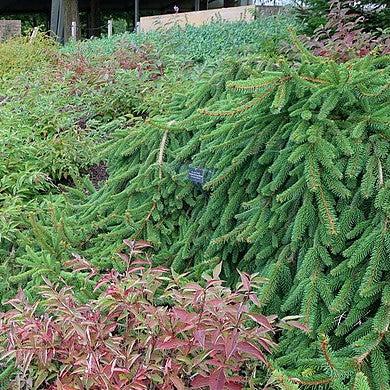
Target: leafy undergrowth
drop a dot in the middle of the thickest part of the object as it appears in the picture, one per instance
(264, 162)
(52, 118)
(148, 329)
(209, 43)
(19, 56)
(57, 106)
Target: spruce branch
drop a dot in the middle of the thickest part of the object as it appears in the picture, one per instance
(324, 349)
(161, 152)
(361, 358)
(238, 110)
(380, 173)
(318, 382)
(252, 85)
(333, 229)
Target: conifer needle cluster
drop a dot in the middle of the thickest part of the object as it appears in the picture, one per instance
(278, 166)
(294, 164)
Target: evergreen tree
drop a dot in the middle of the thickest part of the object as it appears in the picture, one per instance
(294, 162)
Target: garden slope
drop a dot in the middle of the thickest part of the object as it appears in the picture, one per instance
(296, 157)
(57, 106)
(298, 161)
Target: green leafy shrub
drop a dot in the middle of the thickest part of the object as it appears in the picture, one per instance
(19, 55)
(211, 42)
(51, 119)
(298, 158)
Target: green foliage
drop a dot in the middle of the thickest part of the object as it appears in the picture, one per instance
(361, 382)
(210, 42)
(295, 163)
(52, 115)
(56, 106)
(18, 56)
(298, 192)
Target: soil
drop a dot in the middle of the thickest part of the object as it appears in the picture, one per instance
(98, 174)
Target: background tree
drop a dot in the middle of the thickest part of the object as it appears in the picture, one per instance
(71, 14)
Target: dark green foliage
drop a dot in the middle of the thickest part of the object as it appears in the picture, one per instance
(211, 42)
(56, 106)
(299, 158)
(297, 162)
(312, 13)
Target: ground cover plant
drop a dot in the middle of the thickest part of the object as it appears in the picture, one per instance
(52, 116)
(58, 108)
(203, 336)
(276, 164)
(211, 42)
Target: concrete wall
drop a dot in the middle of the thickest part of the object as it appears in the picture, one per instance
(197, 18)
(267, 10)
(10, 29)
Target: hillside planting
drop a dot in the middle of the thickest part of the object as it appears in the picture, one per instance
(270, 160)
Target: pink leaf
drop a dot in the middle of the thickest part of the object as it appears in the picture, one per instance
(193, 287)
(299, 325)
(251, 349)
(171, 344)
(233, 386)
(200, 336)
(214, 282)
(177, 382)
(79, 264)
(216, 362)
(217, 380)
(141, 244)
(260, 319)
(182, 315)
(266, 344)
(214, 302)
(254, 299)
(231, 344)
(124, 257)
(136, 269)
(140, 262)
(245, 280)
(129, 243)
(199, 381)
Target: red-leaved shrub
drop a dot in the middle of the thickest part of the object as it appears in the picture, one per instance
(343, 37)
(79, 70)
(148, 329)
